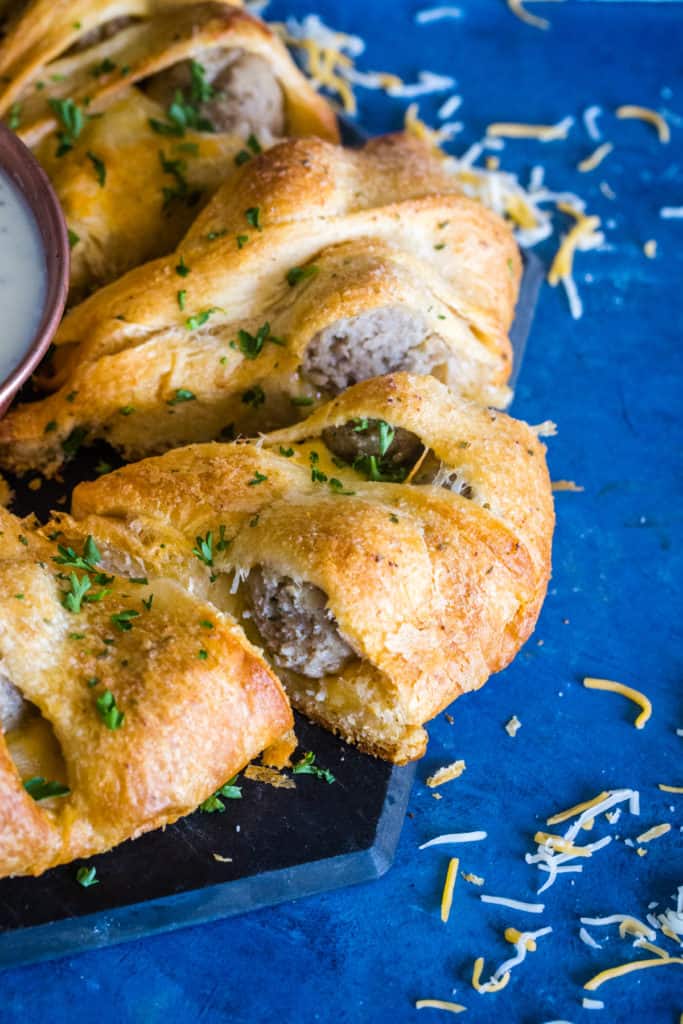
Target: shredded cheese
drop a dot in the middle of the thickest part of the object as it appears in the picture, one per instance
(439, 1004)
(645, 114)
(595, 158)
(650, 248)
(671, 212)
(561, 845)
(590, 119)
(446, 774)
(622, 969)
(628, 925)
(455, 837)
(626, 691)
(592, 1004)
(503, 901)
(448, 887)
(472, 879)
(669, 789)
(571, 812)
(567, 485)
(221, 859)
(653, 833)
(642, 943)
(513, 726)
(430, 14)
(588, 939)
(583, 229)
(489, 986)
(542, 132)
(515, 6)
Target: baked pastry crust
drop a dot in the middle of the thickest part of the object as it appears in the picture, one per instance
(382, 227)
(432, 590)
(124, 221)
(191, 721)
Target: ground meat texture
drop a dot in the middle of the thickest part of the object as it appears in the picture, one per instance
(102, 32)
(298, 630)
(247, 98)
(355, 439)
(13, 707)
(369, 345)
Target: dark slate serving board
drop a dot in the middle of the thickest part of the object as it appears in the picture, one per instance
(283, 843)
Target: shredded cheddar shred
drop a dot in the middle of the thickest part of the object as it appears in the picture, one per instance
(488, 986)
(520, 12)
(622, 969)
(626, 691)
(448, 887)
(439, 1004)
(646, 114)
(595, 158)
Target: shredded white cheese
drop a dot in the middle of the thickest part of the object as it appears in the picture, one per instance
(455, 837)
(513, 726)
(450, 107)
(429, 14)
(590, 120)
(588, 939)
(592, 1004)
(503, 901)
(671, 213)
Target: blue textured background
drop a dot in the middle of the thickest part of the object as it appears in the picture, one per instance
(612, 382)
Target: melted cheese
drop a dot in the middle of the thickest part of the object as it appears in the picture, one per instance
(650, 116)
(626, 691)
(35, 751)
(448, 887)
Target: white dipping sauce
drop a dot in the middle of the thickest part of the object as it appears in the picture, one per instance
(23, 278)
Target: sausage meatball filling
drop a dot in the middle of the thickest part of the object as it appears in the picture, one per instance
(382, 452)
(298, 630)
(229, 90)
(13, 707)
(370, 345)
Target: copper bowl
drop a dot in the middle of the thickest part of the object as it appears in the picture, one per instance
(18, 164)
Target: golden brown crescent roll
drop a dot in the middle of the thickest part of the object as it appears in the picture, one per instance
(135, 699)
(138, 111)
(389, 553)
(318, 267)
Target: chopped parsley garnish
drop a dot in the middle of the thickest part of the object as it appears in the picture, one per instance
(87, 877)
(127, 410)
(40, 789)
(297, 274)
(317, 476)
(14, 121)
(50, 427)
(141, 581)
(181, 190)
(72, 120)
(78, 592)
(302, 400)
(202, 654)
(103, 467)
(205, 624)
(103, 68)
(74, 441)
(90, 558)
(337, 486)
(182, 268)
(253, 216)
(386, 436)
(181, 395)
(258, 478)
(244, 155)
(213, 235)
(254, 396)
(393, 518)
(147, 602)
(287, 452)
(223, 542)
(181, 296)
(108, 711)
(122, 620)
(251, 345)
(199, 319)
(74, 239)
(373, 469)
(307, 766)
(215, 804)
(204, 548)
(200, 89)
(241, 241)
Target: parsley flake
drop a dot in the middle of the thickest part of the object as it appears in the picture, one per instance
(87, 877)
(40, 789)
(253, 217)
(181, 395)
(214, 804)
(258, 478)
(122, 620)
(108, 711)
(297, 274)
(307, 766)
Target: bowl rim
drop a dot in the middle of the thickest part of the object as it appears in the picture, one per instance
(25, 173)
